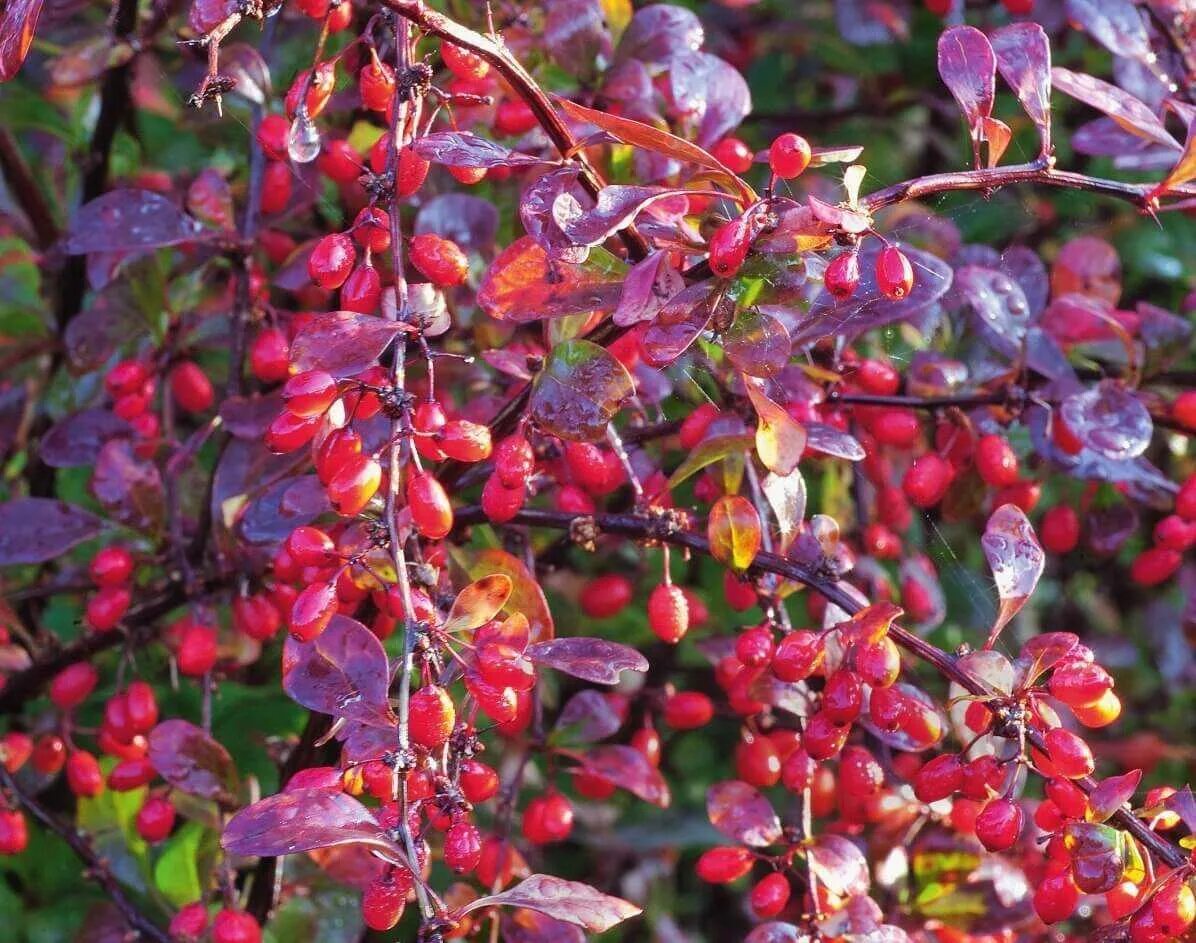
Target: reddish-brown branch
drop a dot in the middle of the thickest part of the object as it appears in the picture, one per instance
(25, 191)
(94, 865)
(643, 528)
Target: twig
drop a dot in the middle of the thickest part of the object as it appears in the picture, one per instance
(24, 189)
(639, 527)
(94, 864)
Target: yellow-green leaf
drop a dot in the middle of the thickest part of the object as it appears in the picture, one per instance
(733, 530)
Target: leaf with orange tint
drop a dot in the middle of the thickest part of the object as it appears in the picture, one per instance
(1111, 794)
(479, 602)
(649, 138)
(18, 20)
(1016, 559)
(523, 284)
(526, 595)
(733, 530)
(780, 439)
(870, 624)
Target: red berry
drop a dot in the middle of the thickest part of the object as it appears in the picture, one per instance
(824, 737)
(1060, 529)
(859, 772)
(73, 684)
(668, 613)
(383, 901)
(190, 923)
(939, 778)
(331, 261)
(478, 781)
(688, 710)
(362, 290)
(376, 83)
(197, 649)
(107, 607)
(740, 594)
(894, 274)
(127, 376)
(432, 716)
(155, 819)
(14, 833)
(789, 155)
(514, 461)
(111, 566)
(354, 484)
(1155, 565)
(276, 187)
(500, 503)
(235, 926)
(842, 275)
(724, 865)
(798, 656)
(996, 462)
(606, 596)
(999, 824)
(1069, 754)
(878, 664)
(1056, 897)
(312, 611)
(49, 754)
(1183, 410)
(1174, 908)
(463, 63)
(269, 355)
(83, 774)
(128, 775)
(757, 761)
(770, 895)
(842, 697)
(462, 847)
(439, 260)
(514, 116)
(288, 432)
(729, 247)
(754, 647)
(734, 154)
(548, 819)
(465, 441)
(797, 772)
(1080, 683)
(191, 387)
(15, 749)
(694, 426)
(431, 511)
(926, 480)
(878, 377)
(309, 393)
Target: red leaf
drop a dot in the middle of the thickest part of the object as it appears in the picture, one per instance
(1129, 112)
(479, 602)
(1024, 60)
(523, 284)
(628, 769)
(34, 530)
(592, 659)
(129, 221)
(18, 20)
(967, 65)
(1111, 794)
(757, 343)
(464, 149)
(570, 901)
(342, 672)
(191, 761)
(342, 342)
(679, 323)
(615, 208)
(305, 820)
(741, 813)
(1016, 559)
(649, 285)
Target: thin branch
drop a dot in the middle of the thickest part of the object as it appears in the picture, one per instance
(93, 863)
(24, 189)
(641, 528)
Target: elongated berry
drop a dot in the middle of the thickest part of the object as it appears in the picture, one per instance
(894, 274)
(668, 613)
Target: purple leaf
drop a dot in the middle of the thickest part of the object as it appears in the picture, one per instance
(469, 221)
(628, 769)
(1016, 559)
(34, 530)
(757, 343)
(129, 488)
(342, 342)
(576, 37)
(527, 926)
(868, 307)
(838, 217)
(710, 91)
(873, 22)
(967, 65)
(245, 65)
(1024, 59)
(679, 323)
(741, 813)
(996, 307)
(305, 820)
(465, 149)
(128, 221)
(1183, 804)
(649, 285)
(1129, 112)
(570, 901)
(108, 322)
(548, 200)
(192, 761)
(1109, 419)
(1111, 794)
(1043, 652)
(839, 865)
(248, 417)
(776, 932)
(1115, 24)
(76, 440)
(18, 21)
(1026, 267)
(659, 32)
(578, 392)
(281, 507)
(615, 208)
(523, 284)
(587, 717)
(342, 672)
(832, 441)
(591, 659)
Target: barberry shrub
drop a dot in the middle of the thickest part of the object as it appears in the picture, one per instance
(467, 430)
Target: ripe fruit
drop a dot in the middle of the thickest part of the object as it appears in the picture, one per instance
(1056, 897)
(155, 819)
(736, 156)
(757, 761)
(431, 512)
(313, 609)
(798, 656)
(729, 246)
(513, 116)
(439, 260)
(465, 441)
(73, 684)
(1069, 754)
(939, 778)
(842, 275)
(1183, 410)
(894, 274)
(668, 613)
(15, 749)
(354, 484)
(197, 650)
(754, 647)
(463, 63)
(83, 774)
(331, 261)
(996, 462)
(688, 710)
(462, 847)
(432, 716)
(111, 566)
(878, 664)
(1079, 683)
(500, 503)
(824, 736)
(606, 596)
(1060, 529)
(770, 895)
(859, 772)
(514, 461)
(189, 924)
(999, 824)
(269, 356)
(547, 819)
(235, 926)
(842, 697)
(724, 865)
(927, 480)
(478, 781)
(49, 754)
(14, 832)
(1174, 908)
(383, 901)
(107, 607)
(309, 393)
(789, 155)
(1155, 565)
(191, 388)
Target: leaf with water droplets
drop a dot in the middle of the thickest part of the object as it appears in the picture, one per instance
(524, 284)
(342, 342)
(615, 208)
(591, 659)
(995, 305)
(579, 391)
(628, 769)
(192, 761)
(710, 92)
(679, 323)
(1110, 419)
(740, 812)
(786, 495)
(1115, 24)
(465, 149)
(1016, 559)
(1024, 60)
(130, 221)
(839, 865)
(304, 820)
(342, 672)
(570, 901)
(1130, 113)
(656, 33)
(649, 285)
(830, 440)
(733, 530)
(479, 602)
(757, 343)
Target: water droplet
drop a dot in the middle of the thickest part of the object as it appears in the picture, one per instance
(1002, 285)
(303, 141)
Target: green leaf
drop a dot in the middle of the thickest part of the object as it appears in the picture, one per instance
(708, 452)
(579, 391)
(176, 873)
